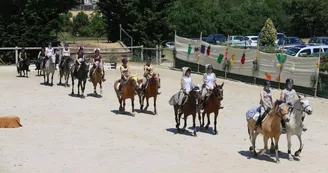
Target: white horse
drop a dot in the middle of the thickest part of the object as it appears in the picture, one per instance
(49, 68)
(294, 126)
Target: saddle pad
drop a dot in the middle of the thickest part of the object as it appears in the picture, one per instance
(118, 86)
(53, 58)
(254, 113)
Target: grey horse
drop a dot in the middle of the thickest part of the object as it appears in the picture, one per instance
(65, 70)
(49, 69)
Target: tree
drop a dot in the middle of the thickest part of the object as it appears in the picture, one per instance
(98, 24)
(268, 34)
(65, 22)
(81, 25)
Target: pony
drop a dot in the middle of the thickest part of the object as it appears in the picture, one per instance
(22, 66)
(81, 74)
(129, 90)
(270, 128)
(293, 127)
(189, 108)
(96, 77)
(212, 104)
(65, 70)
(49, 69)
(151, 90)
(39, 66)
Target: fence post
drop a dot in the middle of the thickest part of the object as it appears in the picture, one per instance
(141, 53)
(160, 54)
(16, 54)
(157, 54)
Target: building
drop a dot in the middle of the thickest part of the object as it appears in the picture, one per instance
(87, 5)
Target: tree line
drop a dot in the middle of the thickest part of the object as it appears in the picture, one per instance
(151, 22)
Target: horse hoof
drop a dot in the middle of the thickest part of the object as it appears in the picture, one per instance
(255, 154)
(261, 152)
(183, 129)
(215, 132)
(297, 153)
(290, 158)
(195, 134)
(251, 148)
(277, 161)
(133, 114)
(206, 127)
(272, 150)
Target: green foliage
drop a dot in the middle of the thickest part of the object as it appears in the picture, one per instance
(81, 25)
(268, 34)
(324, 63)
(97, 23)
(65, 22)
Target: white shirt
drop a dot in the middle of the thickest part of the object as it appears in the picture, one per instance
(49, 52)
(187, 83)
(66, 52)
(210, 80)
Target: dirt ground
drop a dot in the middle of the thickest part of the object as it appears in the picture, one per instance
(64, 134)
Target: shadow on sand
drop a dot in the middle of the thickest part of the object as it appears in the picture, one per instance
(145, 112)
(175, 131)
(63, 85)
(46, 84)
(94, 95)
(117, 112)
(210, 130)
(267, 156)
(77, 96)
(21, 76)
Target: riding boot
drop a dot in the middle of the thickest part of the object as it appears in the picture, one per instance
(283, 126)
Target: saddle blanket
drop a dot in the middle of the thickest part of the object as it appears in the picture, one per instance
(254, 113)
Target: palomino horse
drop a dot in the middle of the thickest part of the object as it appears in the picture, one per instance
(22, 66)
(212, 105)
(189, 108)
(65, 70)
(151, 90)
(81, 75)
(96, 77)
(128, 91)
(294, 126)
(49, 69)
(270, 128)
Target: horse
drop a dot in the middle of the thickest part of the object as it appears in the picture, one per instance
(81, 75)
(189, 108)
(151, 90)
(212, 104)
(129, 90)
(96, 77)
(65, 70)
(270, 128)
(293, 127)
(49, 68)
(39, 66)
(22, 66)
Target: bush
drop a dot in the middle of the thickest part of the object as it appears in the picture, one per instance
(324, 63)
(81, 25)
(268, 34)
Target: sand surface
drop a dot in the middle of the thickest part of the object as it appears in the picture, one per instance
(64, 134)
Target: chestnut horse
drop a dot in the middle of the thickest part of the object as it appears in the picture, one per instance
(212, 104)
(96, 77)
(270, 128)
(128, 91)
(150, 91)
(189, 108)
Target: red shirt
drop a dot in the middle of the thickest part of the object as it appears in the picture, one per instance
(97, 58)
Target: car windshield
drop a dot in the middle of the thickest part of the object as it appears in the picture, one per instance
(294, 40)
(280, 36)
(313, 40)
(292, 51)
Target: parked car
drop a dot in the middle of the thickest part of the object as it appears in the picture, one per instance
(216, 38)
(170, 44)
(252, 41)
(290, 42)
(237, 40)
(318, 41)
(305, 51)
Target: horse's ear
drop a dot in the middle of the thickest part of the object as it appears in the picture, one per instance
(158, 74)
(304, 95)
(298, 96)
(222, 84)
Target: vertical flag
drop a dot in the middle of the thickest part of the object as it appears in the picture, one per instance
(242, 60)
(208, 50)
(226, 54)
(202, 49)
(220, 58)
(189, 49)
(233, 59)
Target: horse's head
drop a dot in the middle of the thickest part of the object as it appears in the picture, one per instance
(156, 78)
(303, 104)
(218, 91)
(97, 66)
(133, 80)
(195, 93)
(281, 110)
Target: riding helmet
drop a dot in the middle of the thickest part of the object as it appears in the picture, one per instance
(124, 60)
(97, 49)
(289, 81)
(267, 83)
(210, 66)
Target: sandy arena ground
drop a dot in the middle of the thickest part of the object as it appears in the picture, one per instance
(64, 134)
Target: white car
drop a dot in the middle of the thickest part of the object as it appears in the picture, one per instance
(170, 44)
(305, 51)
(237, 40)
(251, 41)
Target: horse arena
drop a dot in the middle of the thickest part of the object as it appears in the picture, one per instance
(65, 134)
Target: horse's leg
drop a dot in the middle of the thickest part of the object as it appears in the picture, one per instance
(185, 122)
(208, 121)
(276, 141)
(176, 117)
(289, 145)
(203, 118)
(27, 73)
(78, 87)
(194, 123)
(265, 141)
(72, 85)
(147, 102)
(155, 110)
(254, 142)
(100, 84)
(95, 88)
(123, 109)
(83, 85)
(52, 78)
(215, 122)
(298, 152)
(199, 118)
(142, 102)
(60, 76)
(178, 124)
(132, 103)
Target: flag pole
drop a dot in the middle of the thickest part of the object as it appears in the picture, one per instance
(257, 54)
(227, 48)
(200, 41)
(317, 76)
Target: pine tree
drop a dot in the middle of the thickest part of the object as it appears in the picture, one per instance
(268, 34)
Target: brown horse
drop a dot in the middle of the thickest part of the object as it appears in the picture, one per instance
(189, 108)
(270, 128)
(96, 77)
(151, 90)
(212, 104)
(128, 92)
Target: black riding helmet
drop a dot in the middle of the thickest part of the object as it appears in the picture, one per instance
(267, 83)
(289, 81)
(210, 67)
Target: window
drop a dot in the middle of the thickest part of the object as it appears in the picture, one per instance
(315, 50)
(254, 38)
(314, 40)
(325, 41)
(305, 53)
(325, 49)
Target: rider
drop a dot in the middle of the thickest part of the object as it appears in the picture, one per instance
(22, 56)
(98, 58)
(148, 72)
(186, 86)
(49, 54)
(288, 96)
(209, 80)
(65, 54)
(79, 58)
(266, 102)
(125, 73)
